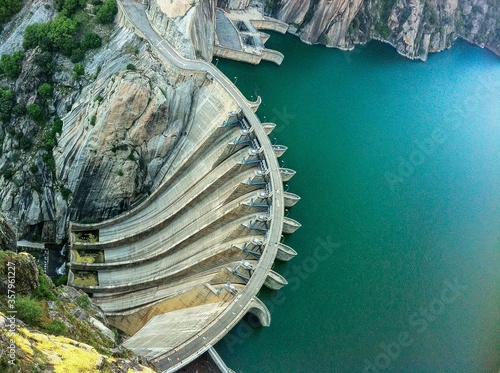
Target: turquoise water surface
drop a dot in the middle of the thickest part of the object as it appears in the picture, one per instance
(398, 167)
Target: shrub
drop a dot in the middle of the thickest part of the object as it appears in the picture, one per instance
(46, 62)
(11, 64)
(49, 141)
(25, 143)
(7, 173)
(43, 291)
(45, 90)
(56, 327)
(65, 192)
(61, 31)
(93, 119)
(61, 280)
(6, 104)
(33, 168)
(71, 6)
(106, 12)
(37, 35)
(19, 110)
(8, 9)
(28, 310)
(35, 112)
(91, 41)
(79, 70)
(57, 126)
(83, 301)
(131, 67)
(77, 55)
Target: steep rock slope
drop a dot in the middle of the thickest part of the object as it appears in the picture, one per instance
(414, 27)
(188, 25)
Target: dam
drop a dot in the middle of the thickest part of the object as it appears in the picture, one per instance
(204, 241)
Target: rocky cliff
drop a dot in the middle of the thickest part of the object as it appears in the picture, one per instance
(188, 24)
(119, 134)
(413, 27)
(120, 120)
(54, 329)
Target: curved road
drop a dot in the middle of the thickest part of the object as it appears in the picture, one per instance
(217, 329)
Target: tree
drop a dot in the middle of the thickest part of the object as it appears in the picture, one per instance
(6, 104)
(46, 62)
(106, 13)
(11, 64)
(61, 32)
(78, 70)
(37, 34)
(35, 112)
(45, 90)
(71, 6)
(91, 40)
(8, 9)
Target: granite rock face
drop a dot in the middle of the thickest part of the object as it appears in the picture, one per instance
(188, 25)
(413, 27)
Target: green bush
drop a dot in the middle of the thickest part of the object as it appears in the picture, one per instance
(49, 161)
(8, 9)
(35, 112)
(61, 280)
(57, 126)
(61, 32)
(78, 70)
(83, 301)
(19, 110)
(6, 104)
(131, 66)
(65, 192)
(49, 141)
(93, 119)
(91, 41)
(46, 62)
(25, 143)
(77, 55)
(106, 12)
(37, 35)
(43, 291)
(45, 90)
(7, 173)
(33, 168)
(11, 64)
(56, 327)
(70, 6)
(28, 310)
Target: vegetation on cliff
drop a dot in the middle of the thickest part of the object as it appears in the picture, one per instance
(53, 328)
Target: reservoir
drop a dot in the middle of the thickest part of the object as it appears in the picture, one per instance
(398, 167)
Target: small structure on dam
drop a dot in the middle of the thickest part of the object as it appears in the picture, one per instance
(238, 36)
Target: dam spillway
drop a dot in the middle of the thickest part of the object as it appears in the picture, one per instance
(220, 202)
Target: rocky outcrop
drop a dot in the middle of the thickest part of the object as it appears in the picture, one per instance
(22, 268)
(413, 27)
(7, 235)
(117, 139)
(188, 25)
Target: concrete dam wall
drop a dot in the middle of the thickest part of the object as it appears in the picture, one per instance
(203, 242)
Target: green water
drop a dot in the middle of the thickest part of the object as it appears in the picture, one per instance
(398, 167)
